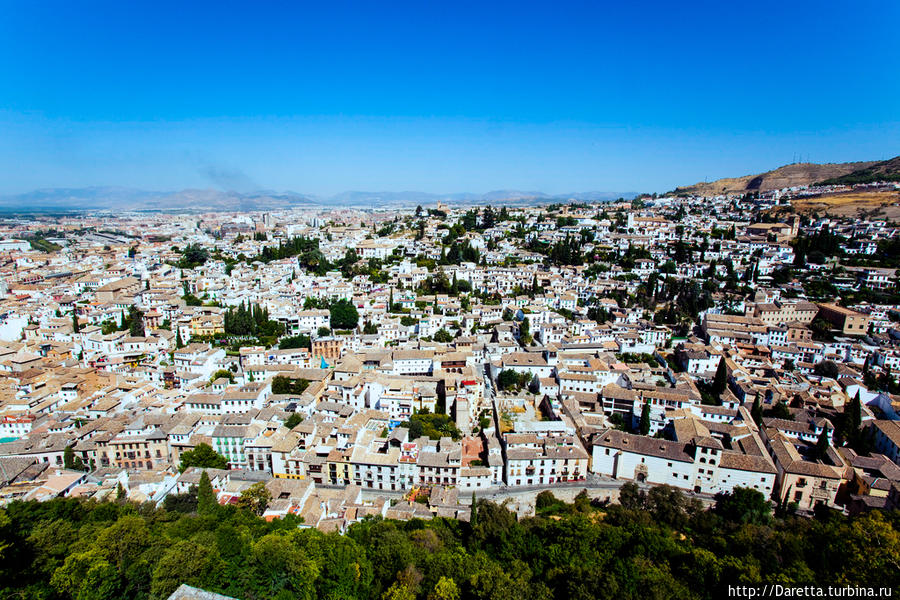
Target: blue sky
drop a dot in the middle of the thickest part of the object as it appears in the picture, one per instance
(439, 96)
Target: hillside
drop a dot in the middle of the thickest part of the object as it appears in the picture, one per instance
(786, 176)
(886, 170)
(883, 204)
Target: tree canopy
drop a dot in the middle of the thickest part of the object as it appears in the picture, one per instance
(343, 315)
(202, 456)
(657, 544)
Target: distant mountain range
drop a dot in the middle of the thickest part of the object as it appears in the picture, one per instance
(201, 200)
(799, 174)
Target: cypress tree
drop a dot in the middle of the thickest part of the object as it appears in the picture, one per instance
(69, 458)
(721, 380)
(206, 497)
(136, 322)
(822, 443)
(645, 419)
(756, 412)
(854, 413)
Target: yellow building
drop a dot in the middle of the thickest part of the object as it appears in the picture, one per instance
(339, 468)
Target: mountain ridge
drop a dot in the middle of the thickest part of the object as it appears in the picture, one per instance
(797, 174)
(199, 199)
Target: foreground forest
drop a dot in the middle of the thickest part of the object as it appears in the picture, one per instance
(655, 545)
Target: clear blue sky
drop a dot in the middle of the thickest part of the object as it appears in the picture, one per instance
(439, 96)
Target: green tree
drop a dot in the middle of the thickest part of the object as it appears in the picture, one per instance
(293, 420)
(135, 322)
(255, 498)
(721, 380)
(192, 256)
(206, 496)
(281, 384)
(827, 368)
(279, 569)
(296, 341)
(645, 419)
(823, 443)
(443, 336)
(545, 500)
(744, 505)
(76, 326)
(756, 411)
(86, 576)
(202, 456)
(185, 503)
(431, 425)
(525, 332)
(510, 380)
(399, 591)
(853, 414)
(667, 505)
(71, 461)
(124, 542)
(344, 315)
(222, 373)
(631, 497)
(445, 589)
(189, 562)
(781, 411)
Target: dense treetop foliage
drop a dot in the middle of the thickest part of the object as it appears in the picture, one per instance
(294, 341)
(192, 256)
(655, 545)
(343, 315)
(250, 320)
(202, 456)
(431, 425)
(285, 385)
(306, 249)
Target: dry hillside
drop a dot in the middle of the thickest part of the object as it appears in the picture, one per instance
(786, 176)
(884, 204)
